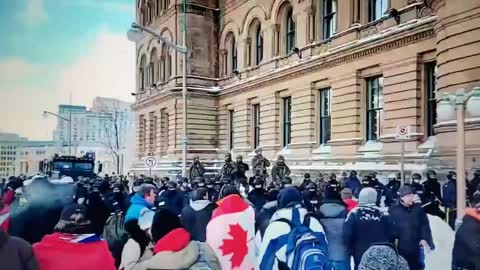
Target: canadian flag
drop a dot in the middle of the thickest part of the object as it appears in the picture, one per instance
(231, 233)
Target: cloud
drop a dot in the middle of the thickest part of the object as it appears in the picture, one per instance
(106, 69)
(34, 13)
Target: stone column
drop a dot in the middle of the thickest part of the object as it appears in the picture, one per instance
(248, 52)
(223, 54)
(276, 39)
(310, 10)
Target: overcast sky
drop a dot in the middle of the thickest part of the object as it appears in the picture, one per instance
(50, 49)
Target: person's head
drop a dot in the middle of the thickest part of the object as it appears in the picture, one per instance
(196, 159)
(306, 177)
(73, 220)
(333, 177)
(281, 160)
(366, 180)
(147, 192)
(382, 257)
(210, 183)
(287, 181)
(392, 177)
(228, 190)
(416, 178)
(347, 194)
(137, 184)
(353, 173)
(431, 175)
(172, 186)
(406, 194)
(200, 182)
(320, 177)
(367, 196)
(163, 223)
(200, 194)
(452, 176)
(239, 158)
(228, 157)
(312, 187)
(258, 151)
(258, 183)
(289, 197)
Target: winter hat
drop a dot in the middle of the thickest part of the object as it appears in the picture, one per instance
(146, 219)
(228, 190)
(347, 192)
(73, 213)
(199, 194)
(367, 195)
(405, 190)
(289, 197)
(73, 220)
(382, 257)
(164, 222)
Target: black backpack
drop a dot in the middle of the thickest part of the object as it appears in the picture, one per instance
(115, 235)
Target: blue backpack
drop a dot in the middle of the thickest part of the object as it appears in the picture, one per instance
(308, 248)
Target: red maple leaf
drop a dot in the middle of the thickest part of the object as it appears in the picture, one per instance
(236, 246)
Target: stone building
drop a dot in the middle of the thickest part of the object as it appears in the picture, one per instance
(323, 82)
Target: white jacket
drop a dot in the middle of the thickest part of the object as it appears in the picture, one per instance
(131, 259)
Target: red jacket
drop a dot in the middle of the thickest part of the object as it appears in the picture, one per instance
(66, 251)
(5, 218)
(350, 204)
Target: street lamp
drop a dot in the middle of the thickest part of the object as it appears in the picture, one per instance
(136, 34)
(69, 120)
(445, 112)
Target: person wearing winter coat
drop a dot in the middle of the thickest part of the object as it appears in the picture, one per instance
(73, 246)
(366, 224)
(306, 181)
(16, 253)
(393, 186)
(260, 163)
(229, 169)
(289, 208)
(137, 249)
(97, 212)
(411, 228)
(258, 196)
(174, 249)
(382, 256)
(433, 196)
(172, 199)
(280, 170)
(197, 214)
(450, 198)
(466, 251)
(144, 198)
(332, 213)
(263, 216)
(211, 191)
(312, 198)
(332, 184)
(353, 183)
(347, 197)
(472, 185)
(197, 169)
(241, 170)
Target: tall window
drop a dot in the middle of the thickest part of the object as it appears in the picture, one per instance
(153, 67)
(231, 138)
(256, 125)
(329, 18)
(159, 7)
(374, 107)
(290, 31)
(234, 55)
(430, 87)
(142, 76)
(287, 121)
(164, 129)
(324, 121)
(376, 9)
(258, 46)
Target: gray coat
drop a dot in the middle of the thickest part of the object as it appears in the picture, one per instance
(332, 216)
(16, 254)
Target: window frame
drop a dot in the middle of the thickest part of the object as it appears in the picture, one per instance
(374, 112)
(286, 121)
(324, 116)
(430, 98)
(373, 12)
(290, 31)
(258, 45)
(231, 134)
(256, 125)
(234, 55)
(329, 19)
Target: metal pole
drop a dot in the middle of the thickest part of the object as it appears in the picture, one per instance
(70, 127)
(184, 93)
(402, 163)
(460, 104)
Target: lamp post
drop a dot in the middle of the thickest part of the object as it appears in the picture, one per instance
(445, 112)
(69, 120)
(136, 34)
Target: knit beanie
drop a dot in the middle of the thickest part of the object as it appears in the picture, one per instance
(382, 257)
(163, 223)
(367, 195)
(289, 197)
(405, 190)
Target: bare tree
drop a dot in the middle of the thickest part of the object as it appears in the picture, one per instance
(112, 138)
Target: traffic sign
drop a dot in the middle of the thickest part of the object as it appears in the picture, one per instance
(403, 132)
(150, 162)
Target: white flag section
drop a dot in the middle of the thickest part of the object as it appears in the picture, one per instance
(231, 234)
(443, 238)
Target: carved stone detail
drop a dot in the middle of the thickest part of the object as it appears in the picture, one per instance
(323, 48)
(425, 12)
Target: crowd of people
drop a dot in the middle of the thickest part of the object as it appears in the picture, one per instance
(231, 221)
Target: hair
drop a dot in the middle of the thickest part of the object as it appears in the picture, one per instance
(145, 189)
(199, 194)
(163, 223)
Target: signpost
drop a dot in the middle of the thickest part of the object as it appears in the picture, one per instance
(403, 133)
(150, 162)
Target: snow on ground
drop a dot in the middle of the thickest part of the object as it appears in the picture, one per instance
(443, 238)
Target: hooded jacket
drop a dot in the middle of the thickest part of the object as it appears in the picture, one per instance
(74, 252)
(177, 251)
(332, 215)
(382, 257)
(137, 205)
(258, 197)
(195, 218)
(16, 254)
(466, 248)
(172, 200)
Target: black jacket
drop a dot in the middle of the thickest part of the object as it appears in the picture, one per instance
(364, 226)
(312, 200)
(173, 200)
(466, 249)
(410, 226)
(262, 217)
(258, 197)
(195, 218)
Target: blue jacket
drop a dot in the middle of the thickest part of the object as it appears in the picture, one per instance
(332, 215)
(450, 194)
(364, 226)
(173, 200)
(137, 205)
(354, 184)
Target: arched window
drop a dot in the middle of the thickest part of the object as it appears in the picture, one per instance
(234, 55)
(166, 64)
(153, 67)
(142, 76)
(231, 59)
(290, 31)
(258, 45)
(329, 18)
